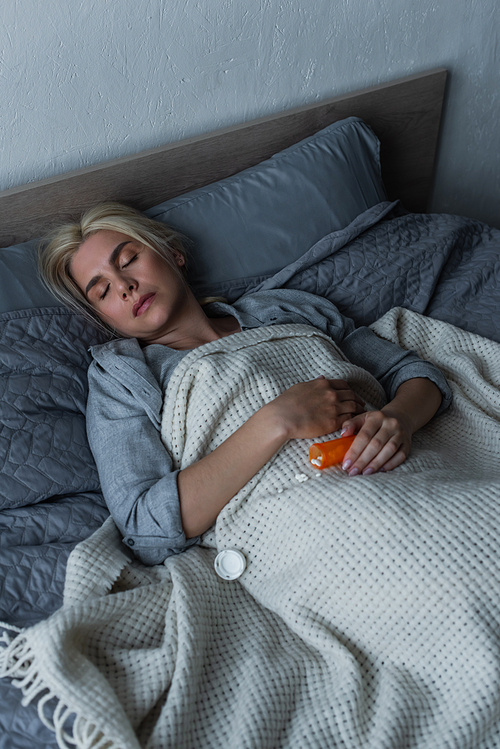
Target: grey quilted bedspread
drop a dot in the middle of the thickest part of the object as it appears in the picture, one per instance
(443, 266)
(49, 489)
(446, 267)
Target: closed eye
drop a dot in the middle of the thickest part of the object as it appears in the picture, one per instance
(105, 292)
(134, 257)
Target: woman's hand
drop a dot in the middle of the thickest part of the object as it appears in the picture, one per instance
(383, 438)
(314, 408)
(383, 442)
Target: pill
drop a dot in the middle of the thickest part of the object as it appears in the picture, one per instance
(301, 477)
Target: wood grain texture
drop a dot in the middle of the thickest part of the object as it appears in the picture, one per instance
(405, 114)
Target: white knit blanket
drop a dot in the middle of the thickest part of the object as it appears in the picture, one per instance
(368, 612)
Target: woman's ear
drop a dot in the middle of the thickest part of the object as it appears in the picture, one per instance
(179, 259)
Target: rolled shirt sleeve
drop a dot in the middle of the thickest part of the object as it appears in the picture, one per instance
(136, 473)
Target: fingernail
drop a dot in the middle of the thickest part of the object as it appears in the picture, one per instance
(368, 471)
(346, 465)
(344, 430)
(353, 472)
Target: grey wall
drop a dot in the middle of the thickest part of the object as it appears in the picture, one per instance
(86, 81)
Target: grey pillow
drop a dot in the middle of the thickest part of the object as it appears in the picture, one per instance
(20, 286)
(254, 223)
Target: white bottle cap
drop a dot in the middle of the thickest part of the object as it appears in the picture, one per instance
(230, 564)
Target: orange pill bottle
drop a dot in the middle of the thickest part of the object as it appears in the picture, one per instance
(326, 454)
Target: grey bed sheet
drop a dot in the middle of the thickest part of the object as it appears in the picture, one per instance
(444, 266)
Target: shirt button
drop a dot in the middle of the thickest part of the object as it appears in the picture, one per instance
(130, 541)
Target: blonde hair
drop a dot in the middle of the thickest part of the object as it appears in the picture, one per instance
(56, 255)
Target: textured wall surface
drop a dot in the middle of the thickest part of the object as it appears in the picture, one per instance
(90, 80)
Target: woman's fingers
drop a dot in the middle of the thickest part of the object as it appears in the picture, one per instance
(374, 457)
(395, 461)
(345, 395)
(338, 403)
(343, 405)
(343, 387)
(381, 442)
(317, 407)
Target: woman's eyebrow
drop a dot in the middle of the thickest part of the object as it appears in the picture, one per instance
(111, 260)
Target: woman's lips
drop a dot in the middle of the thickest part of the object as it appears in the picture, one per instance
(143, 304)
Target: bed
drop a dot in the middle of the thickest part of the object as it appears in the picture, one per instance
(329, 198)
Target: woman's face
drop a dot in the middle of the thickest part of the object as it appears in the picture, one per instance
(130, 286)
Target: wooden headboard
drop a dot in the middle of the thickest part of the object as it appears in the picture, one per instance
(405, 114)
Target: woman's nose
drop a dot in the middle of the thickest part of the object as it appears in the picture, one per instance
(126, 288)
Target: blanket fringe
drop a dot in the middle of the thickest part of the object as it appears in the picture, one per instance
(18, 662)
(6, 638)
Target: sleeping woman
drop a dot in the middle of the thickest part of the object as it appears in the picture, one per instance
(126, 273)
